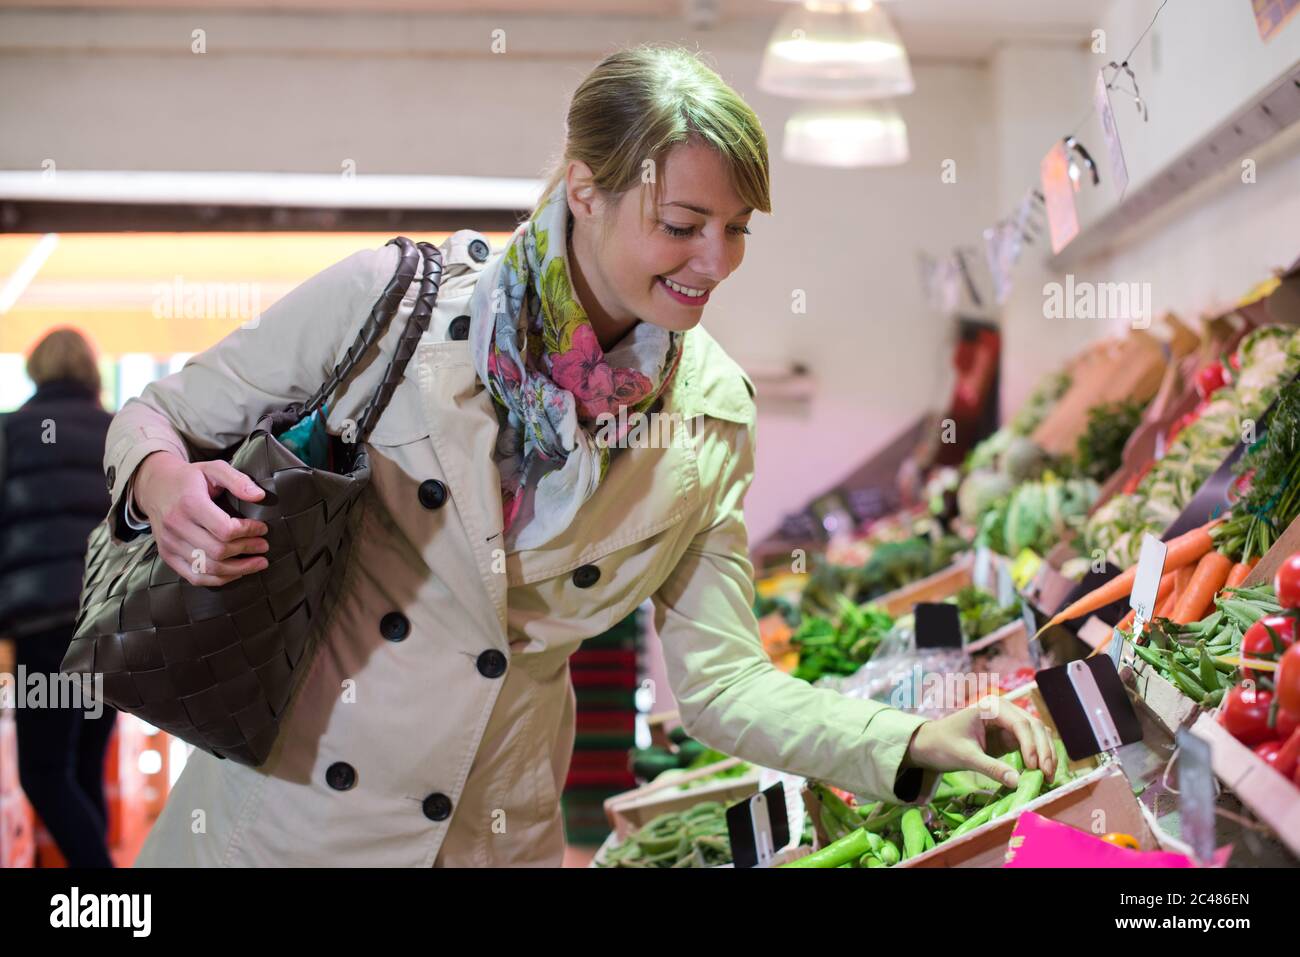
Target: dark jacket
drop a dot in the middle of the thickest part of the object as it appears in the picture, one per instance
(52, 494)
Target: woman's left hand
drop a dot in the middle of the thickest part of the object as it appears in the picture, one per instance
(957, 741)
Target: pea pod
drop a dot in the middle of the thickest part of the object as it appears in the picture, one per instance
(845, 850)
(1209, 674)
(914, 833)
(1063, 774)
(1028, 788)
(889, 853)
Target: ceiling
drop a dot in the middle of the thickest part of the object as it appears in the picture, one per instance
(962, 29)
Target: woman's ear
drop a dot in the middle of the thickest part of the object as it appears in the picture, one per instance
(580, 185)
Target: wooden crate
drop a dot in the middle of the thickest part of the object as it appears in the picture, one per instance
(1270, 796)
(1027, 697)
(1172, 709)
(632, 810)
(942, 584)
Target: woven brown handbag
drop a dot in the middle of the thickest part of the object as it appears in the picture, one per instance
(218, 667)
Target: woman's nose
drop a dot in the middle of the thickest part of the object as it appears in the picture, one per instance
(714, 260)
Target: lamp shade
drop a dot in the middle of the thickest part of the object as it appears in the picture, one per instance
(846, 135)
(835, 51)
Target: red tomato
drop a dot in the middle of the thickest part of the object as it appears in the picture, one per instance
(1287, 722)
(1287, 582)
(1210, 379)
(1258, 643)
(1267, 752)
(1287, 681)
(1245, 715)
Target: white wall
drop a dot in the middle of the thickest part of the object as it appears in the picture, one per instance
(406, 94)
(1200, 62)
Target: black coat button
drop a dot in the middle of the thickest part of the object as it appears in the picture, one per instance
(111, 476)
(586, 575)
(491, 664)
(437, 807)
(459, 328)
(341, 776)
(394, 626)
(433, 494)
(479, 250)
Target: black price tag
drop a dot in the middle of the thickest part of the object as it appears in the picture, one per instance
(758, 827)
(937, 625)
(1089, 706)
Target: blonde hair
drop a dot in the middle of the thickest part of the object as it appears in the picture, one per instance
(63, 353)
(639, 103)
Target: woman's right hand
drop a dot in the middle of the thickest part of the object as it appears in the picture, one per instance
(196, 539)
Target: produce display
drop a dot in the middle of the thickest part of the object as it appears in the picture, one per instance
(1101, 447)
(693, 838)
(1193, 656)
(1037, 515)
(1268, 358)
(1268, 482)
(842, 646)
(881, 835)
(891, 565)
(1223, 645)
(1263, 711)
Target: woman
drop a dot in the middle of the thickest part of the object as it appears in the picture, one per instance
(435, 725)
(51, 496)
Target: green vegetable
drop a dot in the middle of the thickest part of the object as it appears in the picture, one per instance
(1028, 788)
(848, 848)
(914, 833)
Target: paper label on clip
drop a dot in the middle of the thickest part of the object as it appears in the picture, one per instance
(1110, 132)
(1146, 582)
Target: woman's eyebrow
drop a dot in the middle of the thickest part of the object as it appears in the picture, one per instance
(703, 211)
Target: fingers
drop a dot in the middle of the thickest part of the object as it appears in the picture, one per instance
(230, 571)
(225, 475)
(221, 527)
(991, 767)
(1032, 737)
(201, 559)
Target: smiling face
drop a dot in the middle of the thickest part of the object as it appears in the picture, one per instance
(636, 260)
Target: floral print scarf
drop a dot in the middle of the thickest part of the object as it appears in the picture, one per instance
(535, 350)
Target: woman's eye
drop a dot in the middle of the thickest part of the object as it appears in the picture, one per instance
(682, 232)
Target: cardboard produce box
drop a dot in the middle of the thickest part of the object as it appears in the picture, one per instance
(1128, 368)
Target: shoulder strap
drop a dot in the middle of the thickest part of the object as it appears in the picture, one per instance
(390, 300)
(415, 328)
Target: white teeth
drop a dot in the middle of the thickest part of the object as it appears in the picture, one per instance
(684, 290)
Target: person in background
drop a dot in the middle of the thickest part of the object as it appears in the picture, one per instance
(52, 495)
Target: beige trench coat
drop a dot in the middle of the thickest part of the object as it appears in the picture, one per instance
(418, 752)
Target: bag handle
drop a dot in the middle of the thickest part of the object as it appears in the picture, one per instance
(416, 325)
(390, 300)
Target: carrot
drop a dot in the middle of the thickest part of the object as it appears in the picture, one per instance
(1163, 594)
(1211, 572)
(1239, 572)
(1167, 604)
(1183, 577)
(1186, 549)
